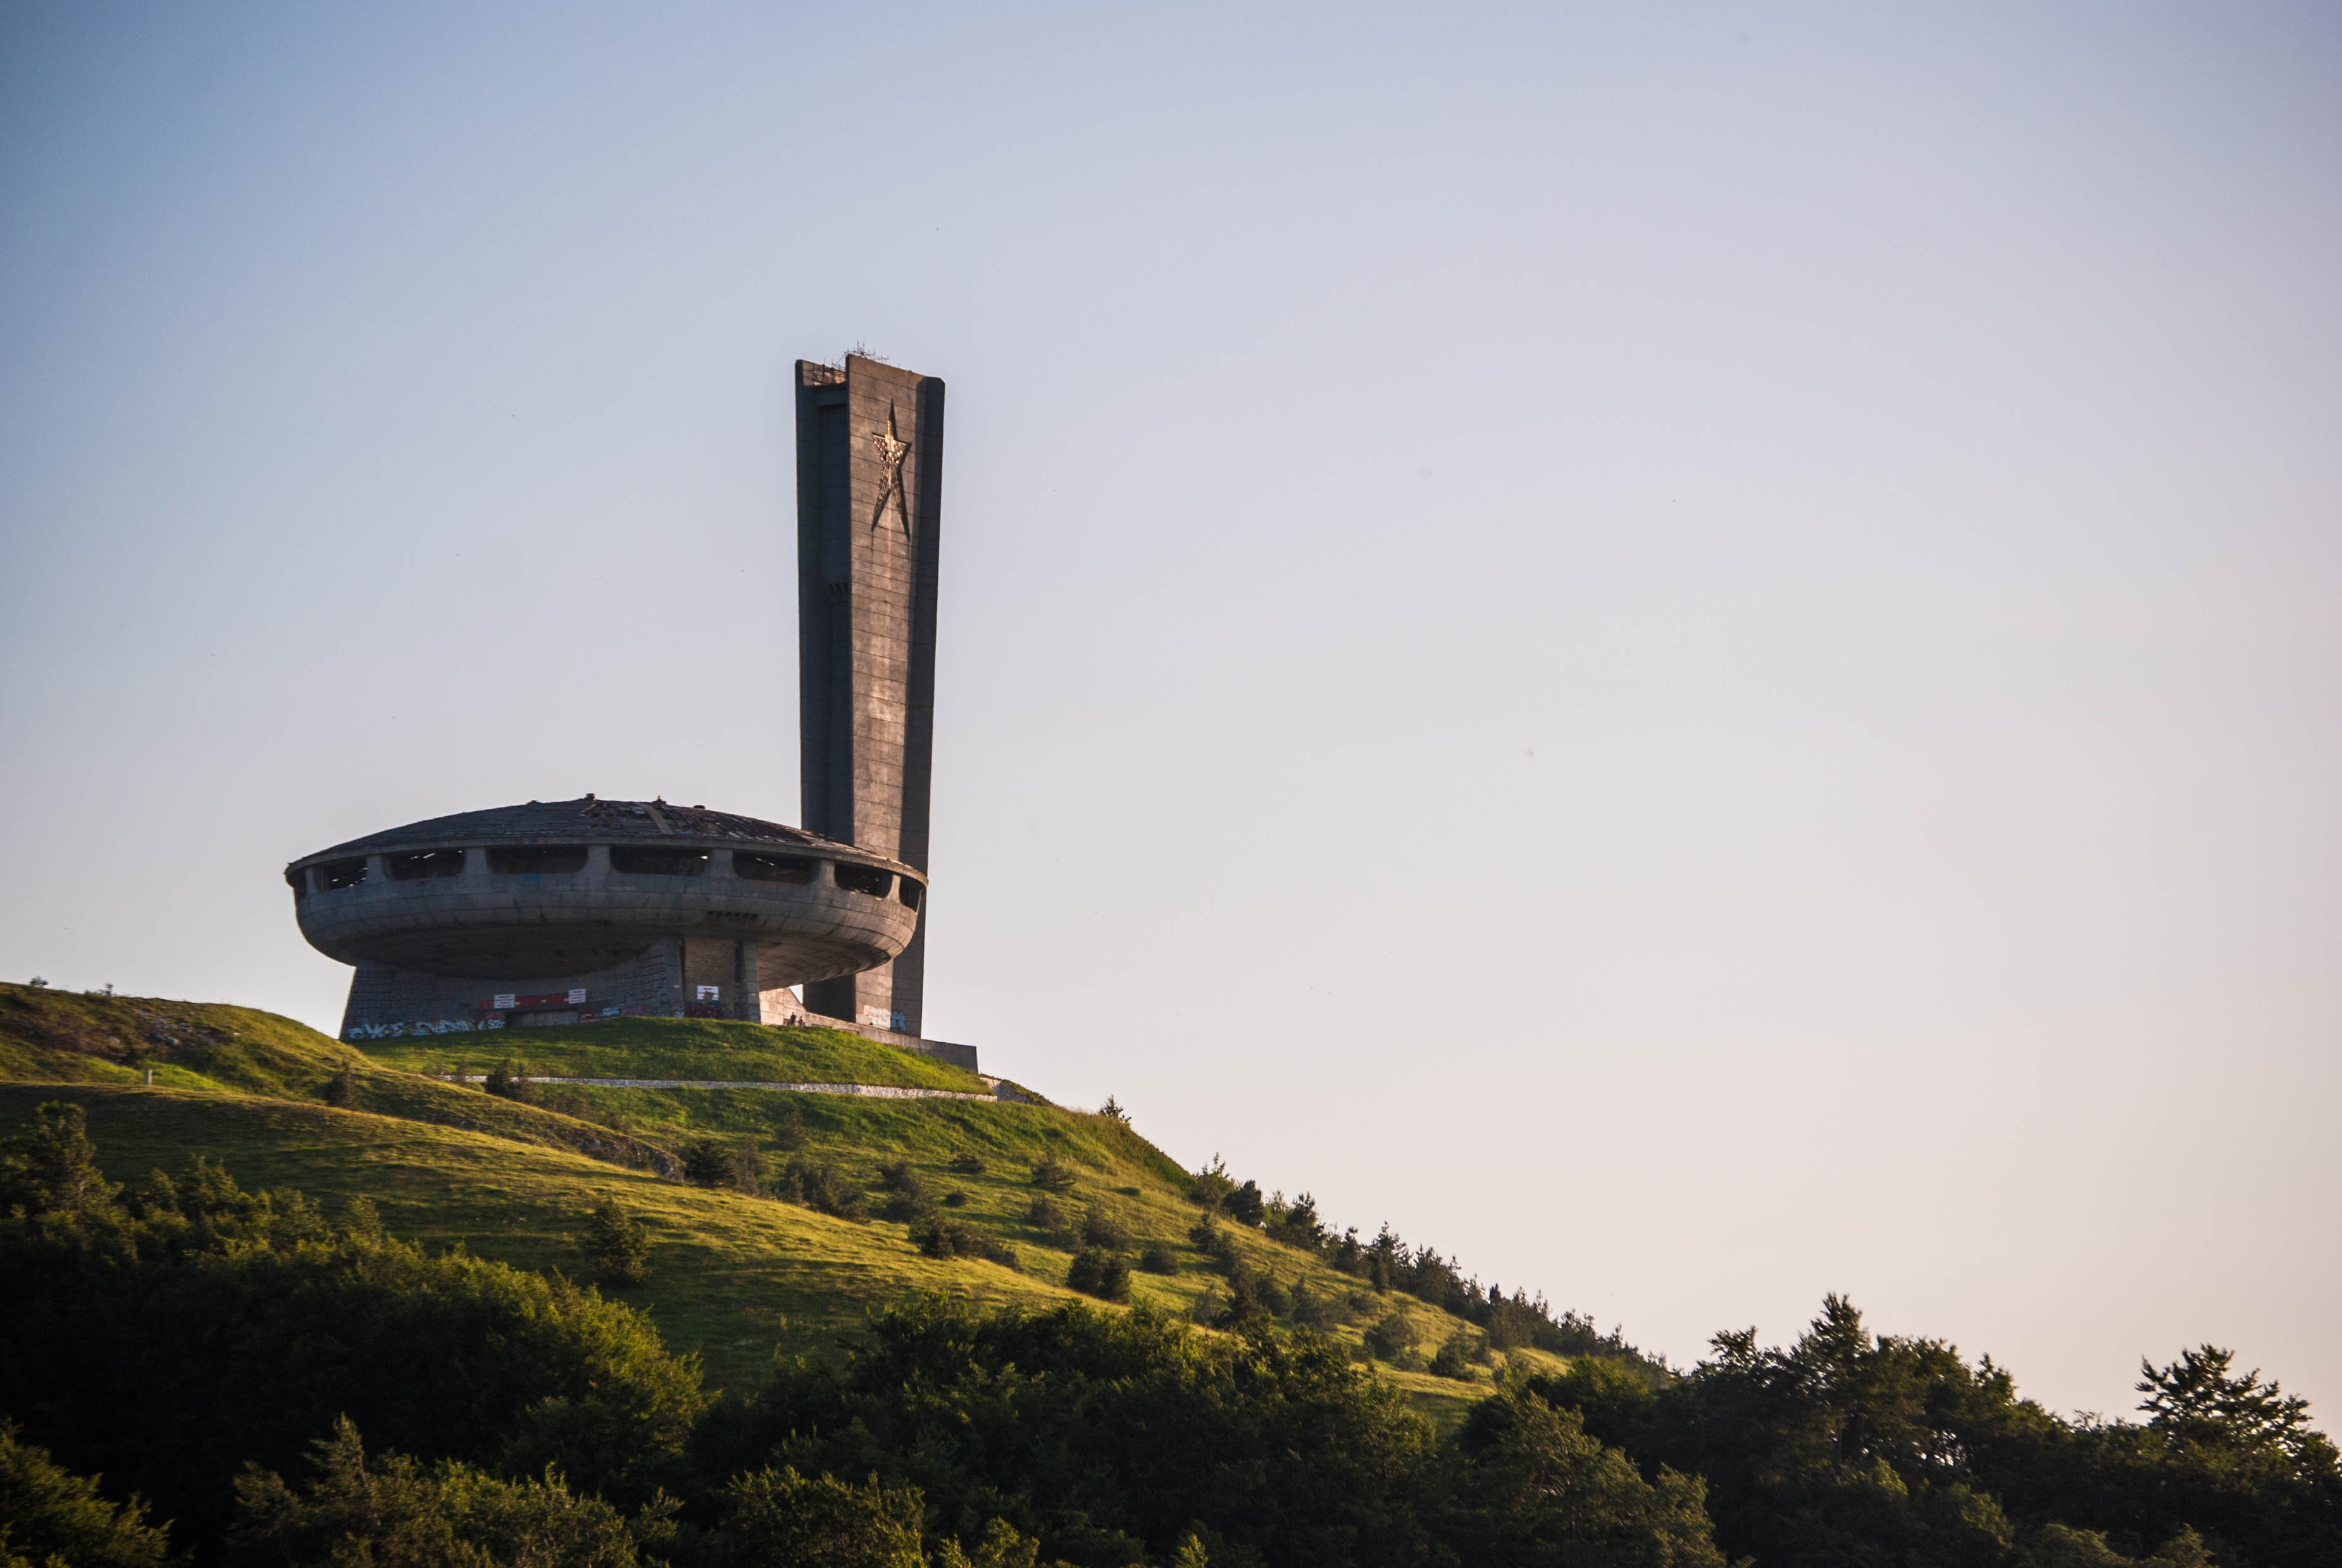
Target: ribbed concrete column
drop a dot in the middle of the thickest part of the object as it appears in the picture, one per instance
(746, 994)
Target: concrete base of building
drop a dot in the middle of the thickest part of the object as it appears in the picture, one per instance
(682, 978)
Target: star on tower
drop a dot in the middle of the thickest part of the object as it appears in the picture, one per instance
(891, 452)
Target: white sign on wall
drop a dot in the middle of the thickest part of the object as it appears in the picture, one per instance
(577, 995)
(711, 994)
(504, 1000)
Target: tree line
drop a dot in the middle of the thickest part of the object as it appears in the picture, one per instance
(197, 1371)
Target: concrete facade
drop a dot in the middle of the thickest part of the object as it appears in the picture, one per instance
(869, 505)
(566, 910)
(572, 911)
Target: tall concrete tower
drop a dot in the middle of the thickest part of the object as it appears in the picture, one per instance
(870, 451)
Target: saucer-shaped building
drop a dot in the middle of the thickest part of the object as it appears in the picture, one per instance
(561, 911)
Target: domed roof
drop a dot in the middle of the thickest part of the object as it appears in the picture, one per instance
(565, 820)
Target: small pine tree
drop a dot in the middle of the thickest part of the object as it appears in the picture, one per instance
(707, 1163)
(1051, 1173)
(508, 1079)
(1101, 1273)
(1392, 1337)
(1102, 1227)
(619, 1246)
(789, 1129)
(1454, 1358)
(1158, 1260)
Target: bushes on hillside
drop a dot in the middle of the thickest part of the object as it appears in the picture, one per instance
(908, 1202)
(1055, 1221)
(712, 1163)
(1853, 1448)
(1112, 1436)
(170, 1333)
(48, 1515)
(508, 1079)
(165, 1334)
(1103, 1228)
(1392, 1337)
(1387, 1263)
(1454, 1358)
(941, 1238)
(397, 1510)
(618, 1245)
(819, 1185)
(1101, 1272)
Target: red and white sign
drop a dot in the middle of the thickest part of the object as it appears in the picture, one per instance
(706, 994)
(506, 1002)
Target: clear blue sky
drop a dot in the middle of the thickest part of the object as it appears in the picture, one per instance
(1691, 652)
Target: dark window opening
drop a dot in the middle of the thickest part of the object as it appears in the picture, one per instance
(909, 891)
(425, 863)
(298, 880)
(658, 862)
(336, 875)
(537, 860)
(866, 879)
(772, 867)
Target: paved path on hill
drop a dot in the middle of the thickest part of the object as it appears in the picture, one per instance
(882, 1091)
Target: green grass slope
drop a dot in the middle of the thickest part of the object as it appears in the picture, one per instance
(735, 1278)
(680, 1048)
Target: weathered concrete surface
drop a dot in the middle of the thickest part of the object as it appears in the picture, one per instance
(869, 513)
(459, 899)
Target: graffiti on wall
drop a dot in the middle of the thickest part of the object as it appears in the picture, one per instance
(401, 1030)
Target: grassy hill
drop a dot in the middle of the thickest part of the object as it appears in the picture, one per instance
(735, 1278)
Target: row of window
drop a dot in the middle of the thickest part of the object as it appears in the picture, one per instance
(542, 860)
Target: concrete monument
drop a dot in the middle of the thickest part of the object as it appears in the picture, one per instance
(569, 911)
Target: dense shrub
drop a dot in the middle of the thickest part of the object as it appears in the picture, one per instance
(1055, 1221)
(1052, 1174)
(1391, 1337)
(1453, 1359)
(941, 1238)
(1850, 1448)
(398, 1511)
(1102, 1227)
(789, 1129)
(1156, 1259)
(508, 1079)
(1534, 1488)
(48, 1515)
(166, 1337)
(782, 1517)
(708, 1162)
(819, 1185)
(1112, 1436)
(1100, 1272)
